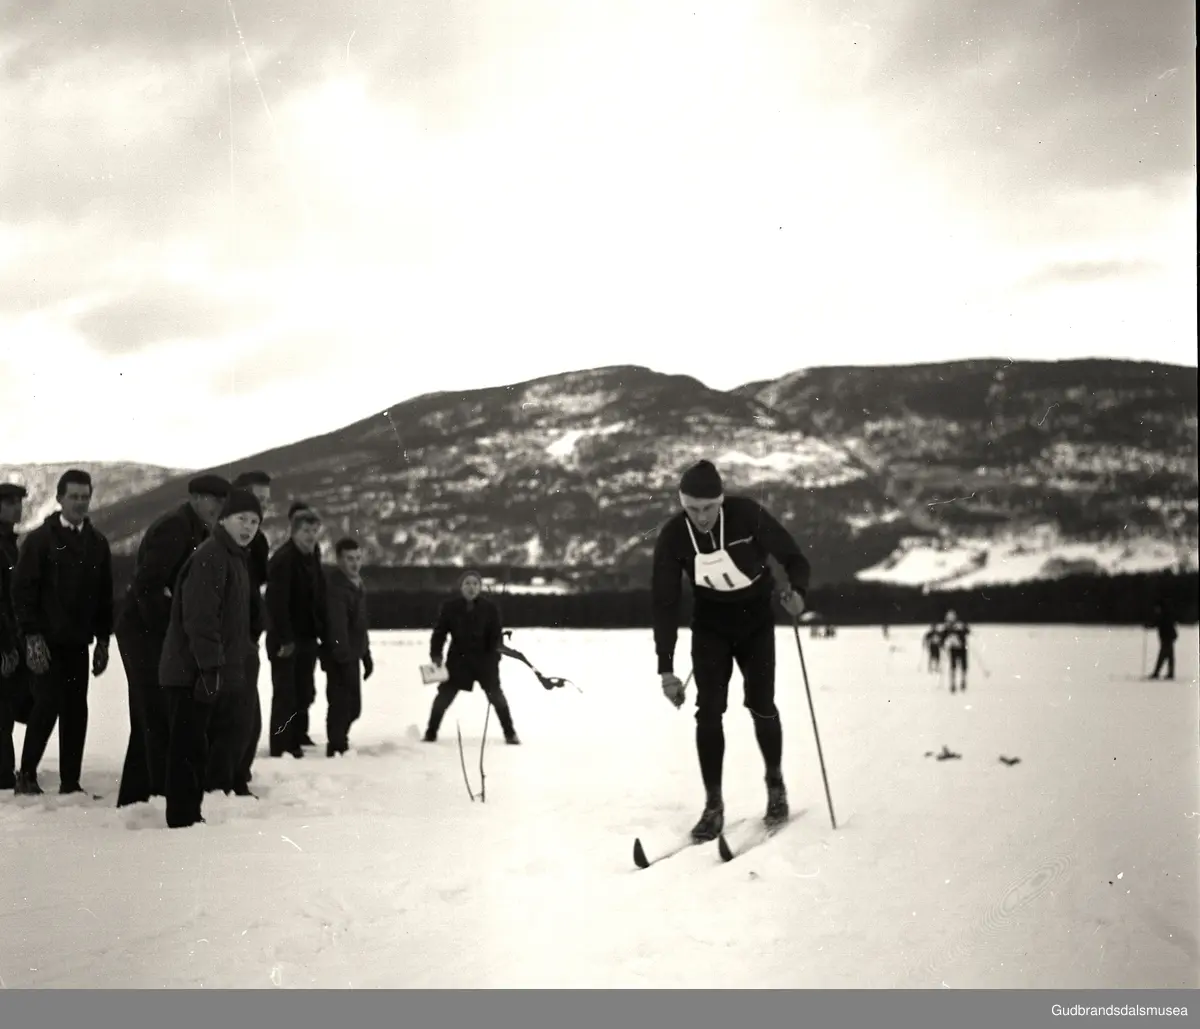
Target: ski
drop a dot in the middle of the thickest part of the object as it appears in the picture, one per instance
(684, 843)
(760, 836)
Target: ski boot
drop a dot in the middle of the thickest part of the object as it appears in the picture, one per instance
(712, 821)
(777, 803)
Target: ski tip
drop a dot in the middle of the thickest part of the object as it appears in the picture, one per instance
(723, 848)
(639, 855)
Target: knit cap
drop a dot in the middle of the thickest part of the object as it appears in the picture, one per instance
(702, 481)
(241, 501)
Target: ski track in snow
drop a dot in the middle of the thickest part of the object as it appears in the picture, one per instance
(1072, 869)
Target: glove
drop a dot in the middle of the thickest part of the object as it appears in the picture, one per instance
(368, 666)
(208, 686)
(100, 657)
(9, 662)
(793, 602)
(673, 688)
(37, 656)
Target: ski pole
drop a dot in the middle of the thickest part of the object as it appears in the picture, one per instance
(812, 711)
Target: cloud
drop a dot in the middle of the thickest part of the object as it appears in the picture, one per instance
(160, 313)
(1069, 272)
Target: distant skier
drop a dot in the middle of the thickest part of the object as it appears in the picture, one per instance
(472, 622)
(1164, 622)
(722, 544)
(954, 633)
(933, 645)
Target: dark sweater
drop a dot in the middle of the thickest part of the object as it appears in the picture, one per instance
(751, 535)
(295, 598)
(474, 631)
(164, 548)
(63, 585)
(346, 641)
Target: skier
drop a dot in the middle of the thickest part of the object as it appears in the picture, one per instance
(473, 624)
(722, 544)
(933, 644)
(1164, 622)
(954, 632)
(206, 651)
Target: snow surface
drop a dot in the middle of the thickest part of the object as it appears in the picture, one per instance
(1074, 868)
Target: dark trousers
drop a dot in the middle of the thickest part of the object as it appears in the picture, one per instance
(60, 696)
(187, 756)
(253, 728)
(343, 691)
(293, 689)
(958, 662)
(144, 773)
(8, 720)
(463, 677)
(751, 646)
(1166, 659)
(228, 729)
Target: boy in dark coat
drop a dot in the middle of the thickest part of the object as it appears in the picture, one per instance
(473, 624)
(63, 596)
(142, 627)
(14, 689)
(347, 645)
(295, 629)
(240, 714)
(206, 650)
(722, 545)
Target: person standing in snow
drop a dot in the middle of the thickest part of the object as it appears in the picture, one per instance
(722, 544)
(1164, 622)
(933, 644)
(244, 721)
(346, 655)
(295, 628)
(954, 633)
(207, 649)
(63, 597)
(142, 627)
(13, 681)
(472, 622)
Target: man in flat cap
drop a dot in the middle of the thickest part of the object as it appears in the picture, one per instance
(13, 686)
(63, 597)
(142, 628)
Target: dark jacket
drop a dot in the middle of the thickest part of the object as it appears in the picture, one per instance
(1164, 622)
(346, 640)
(474, 631)
(295, 598)
(166, 545)
(10, 635)
(257, 557)
(751, 535)
(63, 584)
(209, 628)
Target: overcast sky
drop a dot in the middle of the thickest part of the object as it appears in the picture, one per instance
(228, 226)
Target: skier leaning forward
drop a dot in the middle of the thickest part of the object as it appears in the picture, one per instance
(722, 544)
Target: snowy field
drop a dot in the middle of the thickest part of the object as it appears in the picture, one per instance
(1076, 867)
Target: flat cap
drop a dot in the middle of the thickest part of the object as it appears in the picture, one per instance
(253, 478)
(12, 491)
(209, 485)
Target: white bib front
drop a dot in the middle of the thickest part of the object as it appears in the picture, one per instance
(717, 570)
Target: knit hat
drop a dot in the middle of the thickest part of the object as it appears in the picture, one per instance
(467, 574)
(702, 481)
(241, 501)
